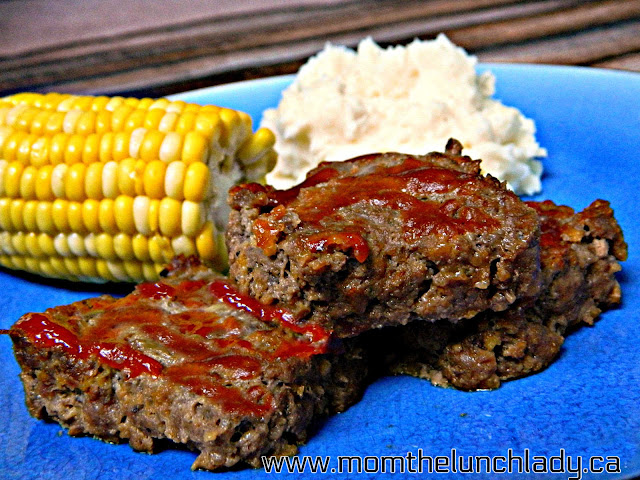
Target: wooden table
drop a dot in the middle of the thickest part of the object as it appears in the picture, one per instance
(150, 47)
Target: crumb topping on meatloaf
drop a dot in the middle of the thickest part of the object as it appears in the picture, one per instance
(187, 359)
(382, 238)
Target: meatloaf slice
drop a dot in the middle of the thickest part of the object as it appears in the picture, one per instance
(384, 238)
(579, 257)
(186, 359)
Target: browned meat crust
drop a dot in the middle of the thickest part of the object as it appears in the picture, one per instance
(173, 361)
(579, 257)
(384, 238)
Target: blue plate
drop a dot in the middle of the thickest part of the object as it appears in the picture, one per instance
(586, 405)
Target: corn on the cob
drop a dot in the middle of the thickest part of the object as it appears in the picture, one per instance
(111, 188)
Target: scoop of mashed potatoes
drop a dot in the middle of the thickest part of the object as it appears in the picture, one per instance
(344, 103)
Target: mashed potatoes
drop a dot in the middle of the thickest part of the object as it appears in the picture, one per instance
(409, 99)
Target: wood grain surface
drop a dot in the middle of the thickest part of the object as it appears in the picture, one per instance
(149, 47)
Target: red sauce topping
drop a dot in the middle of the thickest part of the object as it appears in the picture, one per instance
(45, 333)
(409, 188)
(210, 353)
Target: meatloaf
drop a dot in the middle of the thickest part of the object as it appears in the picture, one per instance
(579, 258)
(187, 359)
(385, 238)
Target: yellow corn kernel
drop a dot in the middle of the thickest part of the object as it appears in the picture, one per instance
(45, 242)
(44, 217)
(18, 241)
(193, 217)
(255, 146)
(135, 120)
(55, 267)
(233, 127)
(58, 148)
(171, 147)
(28, 183)
(159, 249)
(208, 124)
(14, 113)
(183, 245)
(23, 152)
(124, 214)
(54, 123)
(43, 183)
(106, 147)
(176, 106)
(24, 120)
(99, 103)
(5, 215)
(103, 121)
(154, 179)
(70, 121)
(91, 215)
(15, 212)
(33, 247)
(185, 123)
(12, 178)
(141, 206)
(150, 146)
(5, 243)
(39, 122)
(39, 154)
(110, 180)
(91, 150)
(74, 217)
(76, 244)
(61, 245)
(71, 264)
(93, 180)
(86, 124)
(168, 122)
(59, 214)
(140, 246)
(88, 268)
(169, 217)
(174, 180)
(29, 215)
(126, 177)
(119, 117)
(75, 147)
(5, 133)
(206, 242)
(153, 118)
(120, 148)
(107, 217)
(12, 145)
(104, 246)
(195, 148)
(160, 103)
(123, 246)
(89, 242)
(74, 182)
(114, 102)
(135, 141)
(150, 271)
(117, 271)
(133, 270)
(58, 176)
(196, 182)
(103, 270)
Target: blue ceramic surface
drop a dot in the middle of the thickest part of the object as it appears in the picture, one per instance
(587, 403)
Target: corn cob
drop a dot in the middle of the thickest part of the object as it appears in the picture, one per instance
(112, 188)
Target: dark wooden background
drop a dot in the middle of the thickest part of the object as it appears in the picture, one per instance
(151, 47)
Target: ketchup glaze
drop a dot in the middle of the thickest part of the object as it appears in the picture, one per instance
(218, 341)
